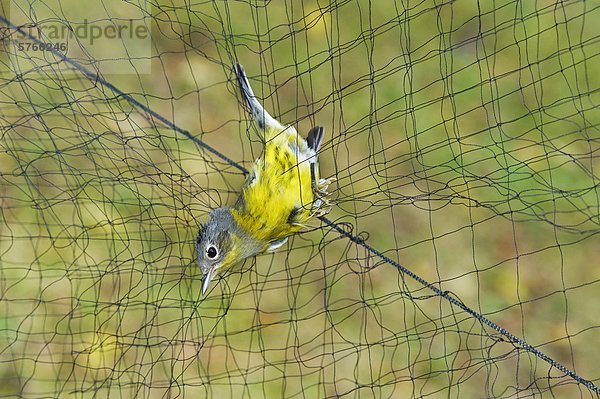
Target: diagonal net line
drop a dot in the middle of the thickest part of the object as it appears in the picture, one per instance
(516, 341)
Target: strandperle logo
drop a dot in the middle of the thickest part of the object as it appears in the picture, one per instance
(86, 31)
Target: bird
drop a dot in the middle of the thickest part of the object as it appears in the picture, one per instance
(281, 194)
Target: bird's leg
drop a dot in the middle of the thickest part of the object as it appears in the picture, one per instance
(321, 205)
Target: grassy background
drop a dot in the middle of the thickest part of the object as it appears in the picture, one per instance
(464, 140)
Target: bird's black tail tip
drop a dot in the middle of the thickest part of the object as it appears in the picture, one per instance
(244, 85)
(238, 69)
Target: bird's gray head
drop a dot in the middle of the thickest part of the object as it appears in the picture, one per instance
(215, 244)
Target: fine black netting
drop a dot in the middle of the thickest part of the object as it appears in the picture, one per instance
(460, 258)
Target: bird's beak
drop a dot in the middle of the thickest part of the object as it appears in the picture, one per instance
(206, 279)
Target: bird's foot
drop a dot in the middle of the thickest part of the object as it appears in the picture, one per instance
(322, 204)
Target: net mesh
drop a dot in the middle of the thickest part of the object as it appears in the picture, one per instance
(464, 140)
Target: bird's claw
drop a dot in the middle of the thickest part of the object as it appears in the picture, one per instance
(322, 204)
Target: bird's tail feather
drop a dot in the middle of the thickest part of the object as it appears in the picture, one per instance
(262, 117)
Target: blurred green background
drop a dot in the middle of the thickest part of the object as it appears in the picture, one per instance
(464, 139)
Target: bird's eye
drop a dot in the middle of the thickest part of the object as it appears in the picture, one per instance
(212, 252)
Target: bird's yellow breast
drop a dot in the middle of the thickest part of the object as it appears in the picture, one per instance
(277, 197)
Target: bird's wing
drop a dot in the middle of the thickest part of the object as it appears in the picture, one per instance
(315, 137)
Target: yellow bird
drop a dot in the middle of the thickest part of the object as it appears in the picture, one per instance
(281, 193)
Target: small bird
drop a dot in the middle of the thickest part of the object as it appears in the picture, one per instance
(281, 193)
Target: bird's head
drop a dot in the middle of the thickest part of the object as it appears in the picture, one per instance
(216, 247)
